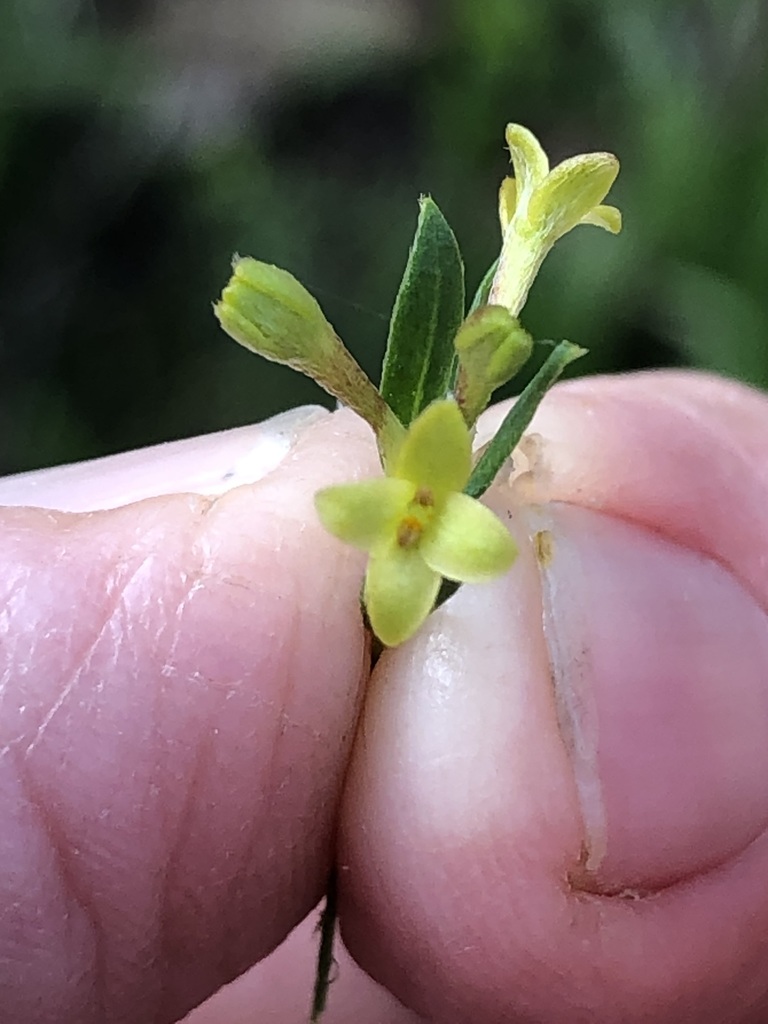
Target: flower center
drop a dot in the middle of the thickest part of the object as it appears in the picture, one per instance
(409, 530)
(417, 517)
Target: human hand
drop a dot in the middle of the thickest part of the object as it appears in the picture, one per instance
(182, 679)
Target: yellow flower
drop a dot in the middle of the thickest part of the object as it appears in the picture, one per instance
(538, 206)
(417, 525)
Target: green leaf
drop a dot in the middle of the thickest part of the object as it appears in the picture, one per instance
(519, 416)
(419, 361)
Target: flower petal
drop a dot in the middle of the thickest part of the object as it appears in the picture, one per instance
(400, 590)
(528, 159)
(467, 542)
(607, 217)
(437, 450)
(571, 192)
(507, 202)
(363, 513)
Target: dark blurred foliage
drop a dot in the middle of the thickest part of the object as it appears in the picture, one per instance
(116, 232)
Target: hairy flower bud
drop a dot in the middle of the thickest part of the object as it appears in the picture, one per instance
(491, 346)
(268, 311)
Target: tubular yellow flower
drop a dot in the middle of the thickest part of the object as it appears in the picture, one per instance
(538, 206)
(417, 525)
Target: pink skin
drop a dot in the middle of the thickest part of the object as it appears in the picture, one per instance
(556, 806)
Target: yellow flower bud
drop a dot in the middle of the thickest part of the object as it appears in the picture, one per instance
(491, 346)
(268, 311)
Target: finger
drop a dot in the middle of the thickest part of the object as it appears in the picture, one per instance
(557, 803)
(180, 685)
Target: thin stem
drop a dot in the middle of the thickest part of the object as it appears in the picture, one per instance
(325, 957)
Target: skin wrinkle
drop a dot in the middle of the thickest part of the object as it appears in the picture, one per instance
(167, 943)
(121, 599)
(167, 671)
(238, 886)
(193, 578)
(17, 584)
(171, 946)
(593, 911)
(241, 872)
(176, 826)
(115, 587)
(117, 603)
(287, 689)
(594, 907)
(153, 930)
(63, 852)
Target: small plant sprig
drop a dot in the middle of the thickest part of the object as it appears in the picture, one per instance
(422, 523)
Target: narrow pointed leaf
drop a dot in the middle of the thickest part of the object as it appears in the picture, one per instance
(518, 418)
(419, 361)
(484, 288)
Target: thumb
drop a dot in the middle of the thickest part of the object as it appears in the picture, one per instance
(558, 799)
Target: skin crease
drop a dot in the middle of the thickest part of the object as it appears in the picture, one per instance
(181, 684)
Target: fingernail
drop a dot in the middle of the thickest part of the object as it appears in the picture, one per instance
(264, 450)
(209, 464)
(659, 659)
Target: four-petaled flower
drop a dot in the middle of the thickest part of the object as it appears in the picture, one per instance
(538, 206)
(417, 525)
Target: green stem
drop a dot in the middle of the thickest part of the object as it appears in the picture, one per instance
(325, 958)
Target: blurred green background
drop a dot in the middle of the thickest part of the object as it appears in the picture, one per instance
(142, 142)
